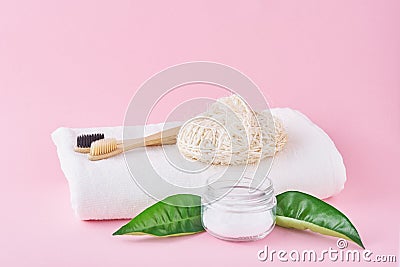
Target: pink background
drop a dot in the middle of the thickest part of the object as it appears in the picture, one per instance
(78, 63)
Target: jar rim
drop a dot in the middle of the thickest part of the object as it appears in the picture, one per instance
(239, 190)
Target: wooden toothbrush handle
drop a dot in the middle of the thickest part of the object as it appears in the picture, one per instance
(166, 137)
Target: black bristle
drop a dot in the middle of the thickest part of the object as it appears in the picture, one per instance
(85, 140)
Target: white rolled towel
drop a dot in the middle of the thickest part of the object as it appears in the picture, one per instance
(105, 189)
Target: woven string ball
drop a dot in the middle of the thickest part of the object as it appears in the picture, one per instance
(230, 133)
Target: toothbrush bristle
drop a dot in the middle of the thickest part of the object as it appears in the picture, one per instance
(85, 140)
(103, 146)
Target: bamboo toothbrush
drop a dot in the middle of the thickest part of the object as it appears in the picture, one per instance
(84, 141)
(106, 148)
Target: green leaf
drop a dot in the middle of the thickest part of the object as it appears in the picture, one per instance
(176, 215)
(302, 211)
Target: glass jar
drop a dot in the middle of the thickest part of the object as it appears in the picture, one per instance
(238, 212)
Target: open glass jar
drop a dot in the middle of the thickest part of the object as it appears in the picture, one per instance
(238, 212)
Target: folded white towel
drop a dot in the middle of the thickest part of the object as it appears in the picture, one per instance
(104, 189)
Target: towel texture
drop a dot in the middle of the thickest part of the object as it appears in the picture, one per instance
(105, 189)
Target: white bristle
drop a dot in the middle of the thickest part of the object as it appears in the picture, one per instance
(103, 146)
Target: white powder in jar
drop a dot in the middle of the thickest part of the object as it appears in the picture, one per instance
(238, 226)
(241, 215)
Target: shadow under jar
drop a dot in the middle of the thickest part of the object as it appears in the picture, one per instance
(238, 212)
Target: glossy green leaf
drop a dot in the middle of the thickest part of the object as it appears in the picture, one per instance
(302, 211)
(176, 215)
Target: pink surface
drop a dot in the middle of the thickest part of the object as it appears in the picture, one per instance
(78, 63)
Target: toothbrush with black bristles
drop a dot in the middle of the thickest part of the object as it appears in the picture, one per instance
(84, 141)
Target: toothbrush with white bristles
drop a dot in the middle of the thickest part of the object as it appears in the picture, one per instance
(110, 147)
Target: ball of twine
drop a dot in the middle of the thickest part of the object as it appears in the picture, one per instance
(230, 133)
